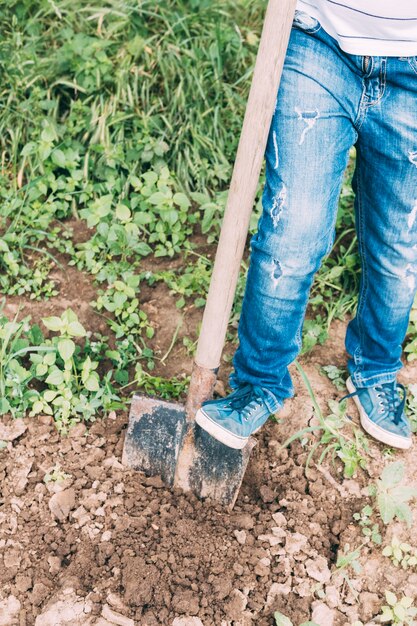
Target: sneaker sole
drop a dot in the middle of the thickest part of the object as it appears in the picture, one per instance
(220, 433)
(395, 441)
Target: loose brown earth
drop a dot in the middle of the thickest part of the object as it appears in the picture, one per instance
(107, 545)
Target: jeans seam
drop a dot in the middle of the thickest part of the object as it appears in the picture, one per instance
(364, 283)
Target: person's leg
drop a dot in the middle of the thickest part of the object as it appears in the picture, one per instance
(307, 152)
(385, 182)
(311, 133)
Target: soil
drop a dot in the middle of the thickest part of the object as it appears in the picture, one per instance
(106, 545)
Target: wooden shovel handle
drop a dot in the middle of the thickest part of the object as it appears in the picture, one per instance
(259, 110)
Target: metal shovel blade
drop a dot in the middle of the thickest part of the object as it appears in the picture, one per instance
(160, 442)
(154, 436)
(208, 468)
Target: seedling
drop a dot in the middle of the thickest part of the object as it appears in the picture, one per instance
(392, 497)
(57, 475)
(369, 529)
(339, 437)
(336, 374)
(401, 554)
(398, 612)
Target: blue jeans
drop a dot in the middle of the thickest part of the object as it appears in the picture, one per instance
(327, 102)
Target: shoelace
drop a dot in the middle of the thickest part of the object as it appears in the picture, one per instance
(389, 400)
(241, 403)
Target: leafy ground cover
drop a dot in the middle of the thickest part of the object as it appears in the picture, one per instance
(119, 123)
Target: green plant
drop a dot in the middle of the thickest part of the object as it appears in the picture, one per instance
(369, 529)
(411, 405)
(17, 340)
(57, 475)
(392, 497)
(161, 387)
(398, 612)
(401, 554)
(74, 390)
(337, 434)
(336, 374)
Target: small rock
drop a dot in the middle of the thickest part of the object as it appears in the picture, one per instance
(279, 519)
(23, 583)
(12, 431)
(263, 567)
(236, 605)
(267, 494)
(71, 610)
(78, 430)
(273, 540)
(244, 520)
(187, 621)
(369, 605)
(318, 569)
(106, 536)
(20, 478)
(61, 504)
(240, 536)
(54, 564)
(295, 542)
(12, 558)
(9, 610)
(322, 614)
(186, 602)
(116, 601)
(116, 618)
(276, 590)
(332, 596)
(277, 531)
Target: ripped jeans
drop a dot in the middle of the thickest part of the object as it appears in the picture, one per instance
(329, 101)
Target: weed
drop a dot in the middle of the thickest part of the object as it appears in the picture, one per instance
(398, 612)
(401, 554)
(336, 374)
(165, 388)
(57, 475)
(392, 497)
(349, 448)
(369, 529)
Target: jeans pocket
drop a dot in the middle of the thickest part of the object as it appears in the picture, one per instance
(413, 62)
(305, 22)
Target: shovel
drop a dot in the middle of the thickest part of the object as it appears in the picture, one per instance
(162, 438)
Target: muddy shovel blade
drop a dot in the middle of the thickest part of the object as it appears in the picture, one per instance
(154, 436)
(208, 468)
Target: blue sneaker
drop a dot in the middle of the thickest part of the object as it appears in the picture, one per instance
(232, 420)
(381, 410)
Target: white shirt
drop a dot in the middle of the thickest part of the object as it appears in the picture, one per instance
(368, 27)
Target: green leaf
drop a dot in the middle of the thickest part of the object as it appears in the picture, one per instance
(399, 612)
(391, 598)
(4, 406)
(282, 620)
(181, 200)
(56, 377)
(386, 507)
(92, 383)
(49, 395)
(58, 157)
(123, 213)
(53, 323)
(143, 249)
(66, 348)
(392, 474)
(75, 329)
